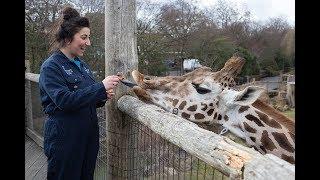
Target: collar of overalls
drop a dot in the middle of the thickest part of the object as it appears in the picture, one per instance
(65, 59)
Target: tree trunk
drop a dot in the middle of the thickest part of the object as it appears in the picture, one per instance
(120, 56)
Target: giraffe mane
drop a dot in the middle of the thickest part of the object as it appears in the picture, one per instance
(275, 114)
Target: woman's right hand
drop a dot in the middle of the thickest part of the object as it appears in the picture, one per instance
(110, 82)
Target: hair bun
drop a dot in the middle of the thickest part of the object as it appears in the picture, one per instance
(69, 13)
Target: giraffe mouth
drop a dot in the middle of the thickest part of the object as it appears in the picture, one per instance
(128, 83)
(140, 87)
(201, 90)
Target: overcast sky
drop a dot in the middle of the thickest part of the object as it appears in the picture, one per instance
(261, 10)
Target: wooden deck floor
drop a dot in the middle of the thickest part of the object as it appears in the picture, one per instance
(35, 161)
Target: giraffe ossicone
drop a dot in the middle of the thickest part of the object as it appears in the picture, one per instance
(204, 96)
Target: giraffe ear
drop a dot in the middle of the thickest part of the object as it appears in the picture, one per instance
(249, 95)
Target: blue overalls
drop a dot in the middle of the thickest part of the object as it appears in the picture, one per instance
(70, 96)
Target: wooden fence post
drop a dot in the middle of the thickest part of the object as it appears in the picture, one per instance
(120, 56)
(290, 96)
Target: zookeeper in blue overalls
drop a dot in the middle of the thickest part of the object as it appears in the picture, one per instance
(70, 96)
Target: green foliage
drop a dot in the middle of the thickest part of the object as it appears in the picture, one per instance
(219, 50)
(290, 113)
(151, 54)
(282, 61)
(36, 47)
(174, 30)
(251, 66)
(94, 55)
(267, 61)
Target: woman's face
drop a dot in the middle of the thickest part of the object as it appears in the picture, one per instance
(79, 43)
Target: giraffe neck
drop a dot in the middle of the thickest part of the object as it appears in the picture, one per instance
(266, 133)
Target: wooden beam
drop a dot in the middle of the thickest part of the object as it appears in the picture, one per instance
(35, 136)
(230, 158)
(32, 77)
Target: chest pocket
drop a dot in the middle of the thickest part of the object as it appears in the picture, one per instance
(73, 82)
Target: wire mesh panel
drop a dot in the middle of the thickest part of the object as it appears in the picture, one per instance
(101, 164)
(146, 155)
(37, 110)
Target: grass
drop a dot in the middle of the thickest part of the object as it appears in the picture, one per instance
(290, 113)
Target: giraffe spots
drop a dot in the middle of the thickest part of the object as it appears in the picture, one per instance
(292, 136)
(226, 117)
(289, 159)
(263, 149)
(253, 139)
(210, 112)
(182, 105)
(219, 117)
(249, 128)
(192, 108)
(283, 141)
(185, 115)
(205, 106)
(243, 108)
(254, 119)
(199, 116)
(266, 141)
(270, 122)
(211, 104)
(173, 85)
(175, 102)
(215, 115)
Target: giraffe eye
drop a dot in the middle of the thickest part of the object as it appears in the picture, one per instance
(200, 90)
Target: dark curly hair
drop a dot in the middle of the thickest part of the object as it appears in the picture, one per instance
(66, 27)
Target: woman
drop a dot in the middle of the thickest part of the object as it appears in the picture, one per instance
(70, 96)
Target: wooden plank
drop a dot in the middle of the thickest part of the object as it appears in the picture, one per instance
(230, 158)
(35, 161)
(32, 154)
(32, 77)
(42, 173)
(27, 143)
(29, 151)
(32, 171)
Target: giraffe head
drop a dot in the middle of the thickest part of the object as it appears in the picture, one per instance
(193, 95)
(206, 96)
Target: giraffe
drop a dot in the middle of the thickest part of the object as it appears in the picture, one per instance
(204, 96)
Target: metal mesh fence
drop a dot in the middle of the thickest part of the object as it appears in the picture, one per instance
(38, 116)
(143, 154)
